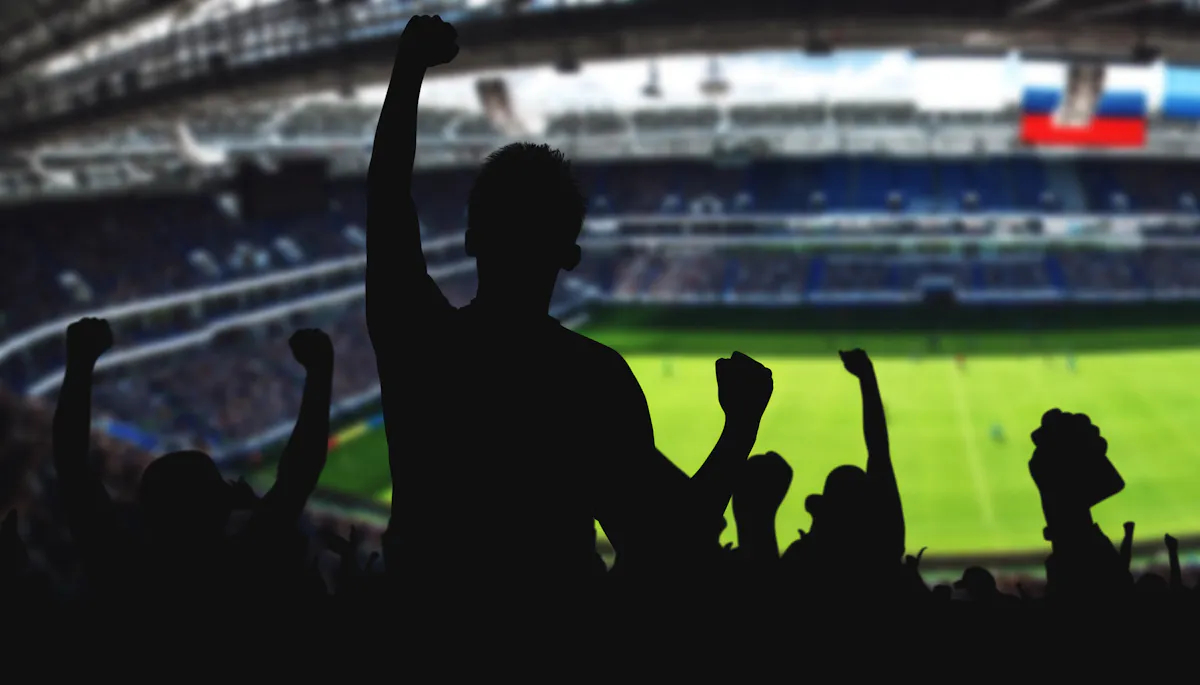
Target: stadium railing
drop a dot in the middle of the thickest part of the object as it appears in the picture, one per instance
(280, 432)
(572, 312)
(205, 335)
(58, 327)
(904, 140)
(609, 232)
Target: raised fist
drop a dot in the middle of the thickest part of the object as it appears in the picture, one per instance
(914, 563)
(1172, 543)
(744, 386)
(429, 40)
(763, 484)
(1064, 434)
(312, 348)
(1070, 460)
(857, 363)
(87, 339)
(1060, 428)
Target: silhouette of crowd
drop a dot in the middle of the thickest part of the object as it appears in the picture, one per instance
(508, 435)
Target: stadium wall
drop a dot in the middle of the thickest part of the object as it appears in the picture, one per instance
(347, 427)
(924, 318)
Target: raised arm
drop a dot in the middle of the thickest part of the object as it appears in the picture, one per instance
(744, 388)
(1083, 565)
(398, 283)
(645, 499)
(761, 487)
(879, 456)
(635, 483)
(304, 456)
(89, 508)
(1127, 545)
(402, 300)
(1176, 569)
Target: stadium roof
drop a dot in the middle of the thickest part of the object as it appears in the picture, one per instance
(611, 29)
(35, 29)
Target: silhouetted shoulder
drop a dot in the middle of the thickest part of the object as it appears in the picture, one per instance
(599, 357)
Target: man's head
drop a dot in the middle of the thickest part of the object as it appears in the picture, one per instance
(844, 508)
(525, 214)
(184, 497)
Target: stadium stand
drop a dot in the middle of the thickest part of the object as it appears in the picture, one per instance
(66, 253)
(202, 293)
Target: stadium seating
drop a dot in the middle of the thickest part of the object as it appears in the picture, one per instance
(65, 254)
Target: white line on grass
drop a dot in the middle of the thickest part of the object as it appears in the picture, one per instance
(966, 426)
(1156, 411)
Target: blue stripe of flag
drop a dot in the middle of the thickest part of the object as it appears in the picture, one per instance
(1181, 93)
(1181, 106)
(1112, 104)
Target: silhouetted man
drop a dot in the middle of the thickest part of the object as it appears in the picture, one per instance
(508, 433)
(182, 552)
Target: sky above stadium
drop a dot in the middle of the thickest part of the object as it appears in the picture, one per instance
(954, 84)
(767, 77)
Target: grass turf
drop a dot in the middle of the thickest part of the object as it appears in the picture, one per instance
(962, 490)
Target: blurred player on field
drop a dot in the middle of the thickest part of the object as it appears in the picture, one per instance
(960, 360)
(668, 369)
(1070, 362)
(997, 433)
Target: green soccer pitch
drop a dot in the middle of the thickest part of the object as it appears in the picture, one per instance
(964, 491)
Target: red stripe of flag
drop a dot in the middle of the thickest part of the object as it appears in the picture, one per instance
(1040, 129)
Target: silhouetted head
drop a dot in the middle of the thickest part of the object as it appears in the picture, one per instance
(524, 217)
(978, 583)
(183, 497)
(844, 505)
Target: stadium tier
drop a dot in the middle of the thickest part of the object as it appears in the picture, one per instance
(669, 231)
(65, 252)
(662, 232)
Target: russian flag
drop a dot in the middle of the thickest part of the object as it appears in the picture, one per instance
(1119, 120)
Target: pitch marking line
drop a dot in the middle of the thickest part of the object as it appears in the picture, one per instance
(966, 426)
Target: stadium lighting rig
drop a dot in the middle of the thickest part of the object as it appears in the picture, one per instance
(715, 85)
(652, 89)
(1144, 53)
(1033, 7)
(816, 46)
(567, 62)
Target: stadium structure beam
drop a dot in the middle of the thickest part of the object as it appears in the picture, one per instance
(67, 24)
(618, 30)
(1032, 7)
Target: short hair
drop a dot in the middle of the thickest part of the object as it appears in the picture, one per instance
(529, 187)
